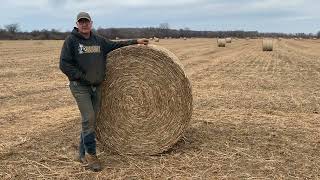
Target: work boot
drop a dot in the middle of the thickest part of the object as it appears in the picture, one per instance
(91, 162)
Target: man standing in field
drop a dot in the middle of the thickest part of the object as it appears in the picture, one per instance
(83, 60)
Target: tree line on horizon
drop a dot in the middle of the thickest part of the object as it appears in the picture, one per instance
(12, 32)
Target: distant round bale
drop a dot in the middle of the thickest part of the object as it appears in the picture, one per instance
(184, 38)
(228, 40)
(221, 42)
(156, 39)
(267, 45)
(146, 101)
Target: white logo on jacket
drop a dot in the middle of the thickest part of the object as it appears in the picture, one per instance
(88, 49)
(81, 49)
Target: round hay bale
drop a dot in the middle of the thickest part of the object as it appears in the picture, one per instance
(184, 38)
(228, 40)
(267, 45)
(146, 101)
(117, 38)
(221, 42)
(156, 39)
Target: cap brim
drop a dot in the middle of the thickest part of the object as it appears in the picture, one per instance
(83, 18)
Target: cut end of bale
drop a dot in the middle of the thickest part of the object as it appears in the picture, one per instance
(146, 101)
(267, 45)
(221, 42)
(228, 40)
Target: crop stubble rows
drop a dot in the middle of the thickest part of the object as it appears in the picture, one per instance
(255, 114)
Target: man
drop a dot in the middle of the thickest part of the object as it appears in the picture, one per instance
(83, 60)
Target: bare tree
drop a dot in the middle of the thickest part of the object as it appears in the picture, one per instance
(164, 29)
(164, 26)
(12, 28)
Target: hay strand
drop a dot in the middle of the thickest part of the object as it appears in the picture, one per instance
(146, 101)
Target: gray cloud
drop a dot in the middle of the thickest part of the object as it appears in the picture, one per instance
(196, 14)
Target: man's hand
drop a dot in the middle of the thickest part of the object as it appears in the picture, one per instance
(143, 41)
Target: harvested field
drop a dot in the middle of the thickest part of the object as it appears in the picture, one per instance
(256, 115)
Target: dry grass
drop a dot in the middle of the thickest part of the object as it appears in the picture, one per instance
(256, 115)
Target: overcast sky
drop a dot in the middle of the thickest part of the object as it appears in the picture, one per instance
(290, 16)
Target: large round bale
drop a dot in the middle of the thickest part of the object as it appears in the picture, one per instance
(228, 40)
(267, 45)
(146, 101)
(221, 42)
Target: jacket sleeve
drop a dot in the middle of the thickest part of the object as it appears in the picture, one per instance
(68, 64)
(112, 45)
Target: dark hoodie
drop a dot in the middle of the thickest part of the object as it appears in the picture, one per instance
(84, 60)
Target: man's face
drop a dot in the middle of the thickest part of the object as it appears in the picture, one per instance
(84, 26)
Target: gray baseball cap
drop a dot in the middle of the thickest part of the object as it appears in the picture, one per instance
(83, 15)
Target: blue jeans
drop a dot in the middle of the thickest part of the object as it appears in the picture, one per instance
(88, 99)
